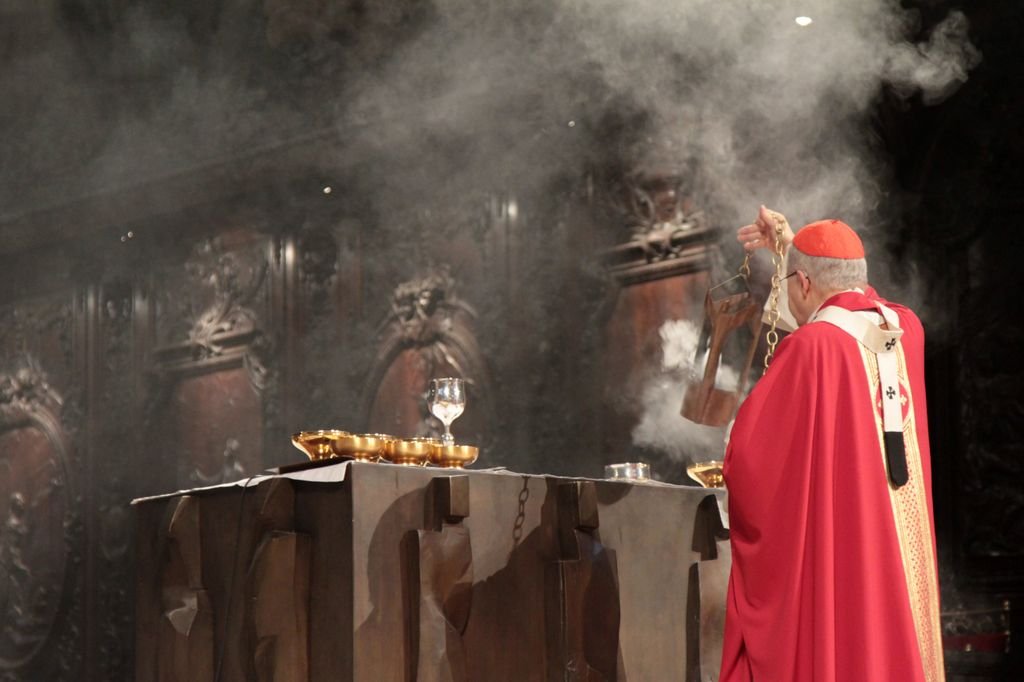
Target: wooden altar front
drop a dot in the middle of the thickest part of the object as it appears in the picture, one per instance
(376, 572)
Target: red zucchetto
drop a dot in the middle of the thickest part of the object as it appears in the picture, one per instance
(829, 239)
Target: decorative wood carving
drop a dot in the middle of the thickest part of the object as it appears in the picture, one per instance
(654, 200)
(211, 320)
(661, 274)
(428, 333)
(318, 267)
(212, 337)
(582, 593)
(668, 236)
(38, 525)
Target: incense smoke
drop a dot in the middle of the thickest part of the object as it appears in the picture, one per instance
(661, 427)
(438, 102)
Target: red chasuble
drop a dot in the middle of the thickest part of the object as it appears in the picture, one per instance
(834, 570)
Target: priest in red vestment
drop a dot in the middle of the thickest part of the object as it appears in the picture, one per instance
(827, 467)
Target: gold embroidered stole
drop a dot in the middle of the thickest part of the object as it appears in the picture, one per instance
(913, 522)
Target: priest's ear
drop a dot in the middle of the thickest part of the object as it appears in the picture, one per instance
(804, 282)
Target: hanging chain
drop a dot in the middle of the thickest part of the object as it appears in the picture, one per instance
(744, 270)
(773, 298)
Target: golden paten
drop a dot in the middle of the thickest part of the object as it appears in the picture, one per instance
(454, 456)
(411, 451)
(363, 447)
(708, 474)
(318, 444)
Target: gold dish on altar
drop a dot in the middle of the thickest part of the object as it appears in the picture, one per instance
(708, 474)
(363, 447)
(453, 456)
(318, 445)
(411, 451)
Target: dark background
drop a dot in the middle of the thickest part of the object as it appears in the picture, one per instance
(179, 291)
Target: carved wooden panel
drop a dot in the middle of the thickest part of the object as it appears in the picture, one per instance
(33, 559)
(215, 427)
(631, 347)
(39, 528)
(212, 380)
(428, 334)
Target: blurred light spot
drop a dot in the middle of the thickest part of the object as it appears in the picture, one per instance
(804, 21)
(327, 189)
(131, 234)
(513, 209)
(572, 124)
(123, 238)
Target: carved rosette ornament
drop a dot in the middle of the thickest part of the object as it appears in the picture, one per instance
(654, 202)
(234, 285)
(218, 315)
(36, 513)
(423, 310)
(25, 391)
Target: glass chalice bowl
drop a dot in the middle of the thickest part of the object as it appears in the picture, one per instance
(447, 400)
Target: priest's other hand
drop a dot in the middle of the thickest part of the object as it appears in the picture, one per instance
(761, 233)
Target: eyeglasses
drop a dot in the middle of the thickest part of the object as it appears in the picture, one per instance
(793, 273)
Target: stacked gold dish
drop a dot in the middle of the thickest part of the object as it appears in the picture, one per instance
(379, 447)
(411, 451)
(318, 445)
(453, 456)
(363, 447)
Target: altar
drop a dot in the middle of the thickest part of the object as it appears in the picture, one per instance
(377, 572)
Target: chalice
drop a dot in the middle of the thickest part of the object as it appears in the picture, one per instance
(447, 400)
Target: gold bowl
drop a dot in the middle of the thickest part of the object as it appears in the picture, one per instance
(708, 474)
(411, 451)
(362, 447)
(453, 456)
(318, 444)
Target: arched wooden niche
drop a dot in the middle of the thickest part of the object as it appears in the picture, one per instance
(211, 382)
(35, 514)
(661, 274)
(427, 334)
